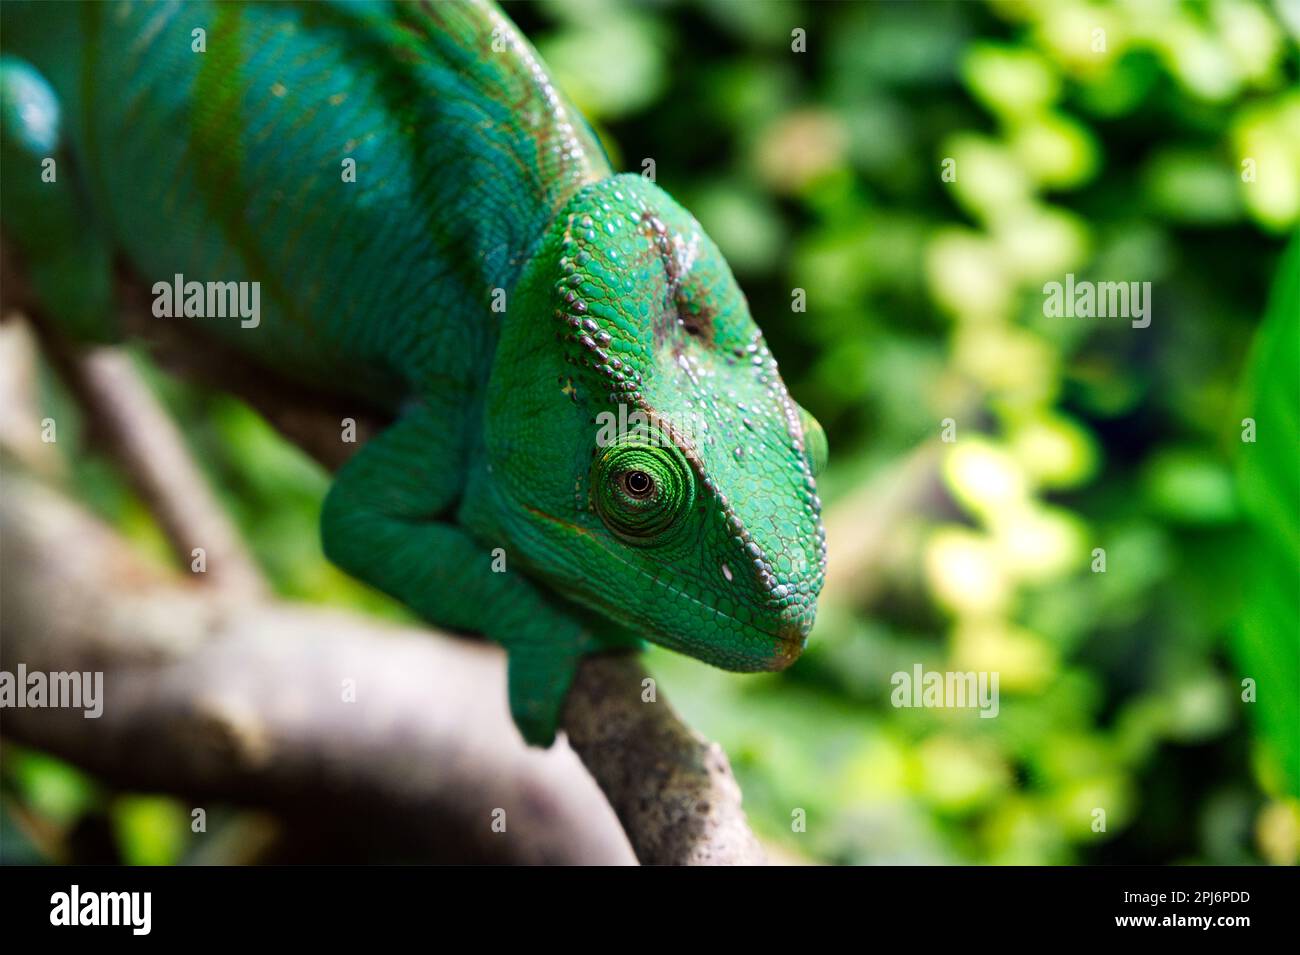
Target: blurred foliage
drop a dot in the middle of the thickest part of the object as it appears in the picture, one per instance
(1118, 141)
(1270, 491)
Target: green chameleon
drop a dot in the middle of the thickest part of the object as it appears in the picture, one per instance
(592, 444)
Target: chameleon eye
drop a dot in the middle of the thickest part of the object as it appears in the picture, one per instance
(641, 490)
(638, 484)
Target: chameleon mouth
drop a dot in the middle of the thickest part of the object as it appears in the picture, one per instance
(780, 647)
(793, 639)
(760, 650)
(788, 639)
(792, 634)
(785, 643)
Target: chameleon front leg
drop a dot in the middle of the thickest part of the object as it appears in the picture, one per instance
(384, 521)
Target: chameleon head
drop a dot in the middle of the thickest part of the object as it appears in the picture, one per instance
(683, 506)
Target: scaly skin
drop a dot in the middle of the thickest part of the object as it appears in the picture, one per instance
(694, 524)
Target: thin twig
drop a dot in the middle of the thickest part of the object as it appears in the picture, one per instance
(149, 446)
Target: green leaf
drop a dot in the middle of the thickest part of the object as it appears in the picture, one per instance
(1267, 642)
(151, 830)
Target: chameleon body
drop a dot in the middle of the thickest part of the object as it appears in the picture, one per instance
(592, 444)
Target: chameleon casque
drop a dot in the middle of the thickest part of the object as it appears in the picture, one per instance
(486, 278)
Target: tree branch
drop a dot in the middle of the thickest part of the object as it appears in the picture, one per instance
(246, 701)
(672, 788)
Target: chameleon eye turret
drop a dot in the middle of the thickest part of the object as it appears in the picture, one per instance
(642, 491)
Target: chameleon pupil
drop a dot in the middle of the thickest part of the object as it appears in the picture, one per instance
(638, 483)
